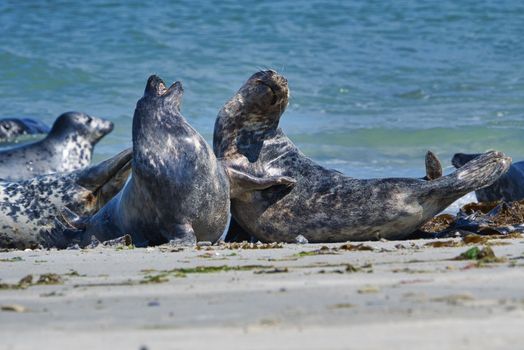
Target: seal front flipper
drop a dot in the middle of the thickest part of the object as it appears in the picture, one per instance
(72, 219)
(183, 234)
(93, 178)
(241, 182)
(433, 167)
(107, 178)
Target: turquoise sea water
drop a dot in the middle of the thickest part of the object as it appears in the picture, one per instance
(374, 84)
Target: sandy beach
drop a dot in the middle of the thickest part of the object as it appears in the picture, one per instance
(376, 295)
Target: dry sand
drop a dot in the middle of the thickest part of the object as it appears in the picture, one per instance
(400, 295)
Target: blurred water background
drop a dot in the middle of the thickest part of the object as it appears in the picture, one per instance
(374, 84)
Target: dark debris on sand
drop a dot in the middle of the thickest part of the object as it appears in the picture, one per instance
(502, 219)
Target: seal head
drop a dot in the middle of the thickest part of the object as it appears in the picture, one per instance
(262, 100)
(81, 126)
(68, 146)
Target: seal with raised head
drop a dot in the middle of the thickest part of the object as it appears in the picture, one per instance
(32, 211)
(11, 128)
(178, 191)
(68, 146)
(324, 205)
(509, 187)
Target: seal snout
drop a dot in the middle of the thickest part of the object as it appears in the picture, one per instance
(155, 87)
(106, 126)
(174, 90)
(265, 82)
(270, 78)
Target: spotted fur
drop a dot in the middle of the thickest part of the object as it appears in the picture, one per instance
(30, 210)
(68, 147)
(324, 205)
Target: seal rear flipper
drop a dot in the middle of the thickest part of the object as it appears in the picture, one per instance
(433, 167)
(94, 177)
(61, 235)
(242, 182)
(477, 173)
(183, 234)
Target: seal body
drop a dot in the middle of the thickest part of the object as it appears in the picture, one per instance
(509, 187)
(178, 191)
(68, 146)
(11, 128)
(324, 205)
(30, 209)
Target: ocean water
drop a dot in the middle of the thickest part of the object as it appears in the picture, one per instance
(374, 84)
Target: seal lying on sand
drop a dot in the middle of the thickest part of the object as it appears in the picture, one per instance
(28, 209)
(235, 233)
(68, 147)
(11, 128)
(509, 187)
(178, 191)
(324, 205)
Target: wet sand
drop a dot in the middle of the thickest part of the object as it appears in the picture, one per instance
(394, 295)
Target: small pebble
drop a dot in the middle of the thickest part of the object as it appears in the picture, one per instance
(13, 308)
(301, 240)
(368, 289)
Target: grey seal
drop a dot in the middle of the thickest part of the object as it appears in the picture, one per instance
(324, 205)
(32, 212)
(235, 233)
(11, 128)
(68, 146)
(509, 187)
(178, 191)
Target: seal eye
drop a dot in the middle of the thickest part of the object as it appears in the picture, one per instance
(275, 98)
(6, 126)
(89, 120)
